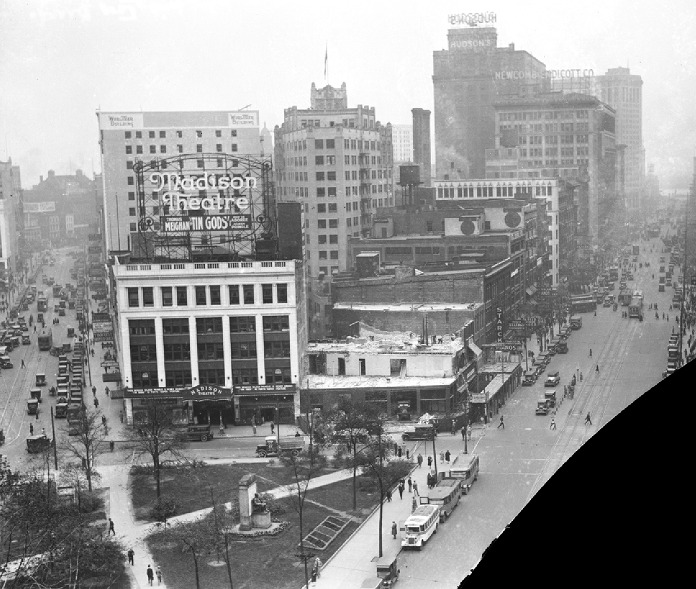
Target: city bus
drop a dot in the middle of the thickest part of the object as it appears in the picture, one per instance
(420, 525)
(638, 294)
(42, 304)
(45, 339)
(445, 495)
(635, 309)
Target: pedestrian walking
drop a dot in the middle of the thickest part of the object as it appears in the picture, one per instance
(131, 554)
(597, 369)
(588, 421)
(94, 391)
(120, 415)
(430, 461)
(104, 420)
(415, 488)
(463, 434)
(442, 457)
(23, 365)
(34, 328)
(272, 427)
(414, 505)
(420, 460)
(111, 527)
(159, 575)
(96, 403)
(447, 456)
(468, 431)
(553, 423)
(410, 484)
(394, 529)
(502, 423)
(43, 431)
(253, 427)
(31, 429)
(401, 490)
(590, 352)
(454, 427)
(317, 566)
(150, 574)
(389, 495)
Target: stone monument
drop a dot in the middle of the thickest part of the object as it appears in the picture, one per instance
(253, 512)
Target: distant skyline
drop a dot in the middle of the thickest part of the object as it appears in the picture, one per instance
(61, 60)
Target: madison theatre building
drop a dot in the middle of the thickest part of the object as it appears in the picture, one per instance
(213, 340)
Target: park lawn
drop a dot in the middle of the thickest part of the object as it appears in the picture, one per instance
(190, 487)
(269, 561)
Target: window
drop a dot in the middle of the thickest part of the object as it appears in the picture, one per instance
(333, 207)
(129, 149)
(331, 176)
(245, 377)
(201, 298)
(128, 134)
(131, 212)
(322, 239)
(145, 378)
(248, 291)
(242, 324)
(341, 366)
(218, 133)
(153, 149)
(181, 298)
(333, 223)
(278, 376)
(282, 292)
(208, 325)
(210, 351)
(178, 378)
(321, 208)
(180, 351)
(318, 144)
(211, 376)
(276, 349)
(234, 133)
(320, 176)
(330, 144)
(319, 160)
(148, 297)
(240, 350)
(133, 227)
(141, 327)
(138, 134)
(131, 196)
(276, 323)
(322, 255)
(334, 255)
(267, 294)
(361, 362)
(321, 191)
(215, 298)
(143, 353)
(321, 223)
(133, 297)
(332, 191)
(163, 149)
(234, 147)
(130, 181)
(234, 294)
(175, 326)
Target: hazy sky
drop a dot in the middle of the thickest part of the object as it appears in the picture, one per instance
(61, 60)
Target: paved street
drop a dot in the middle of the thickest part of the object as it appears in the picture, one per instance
(518, 460)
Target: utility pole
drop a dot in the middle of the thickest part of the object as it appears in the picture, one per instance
(55, 446)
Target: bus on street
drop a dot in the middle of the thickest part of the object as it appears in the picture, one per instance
(42, 304)
(420, 525)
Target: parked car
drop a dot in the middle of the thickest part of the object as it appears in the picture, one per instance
(552, 379)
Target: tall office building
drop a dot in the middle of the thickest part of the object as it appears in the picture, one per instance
(338, 162)
(623, 91)
(567, 136)
(10, 202)
(402, 142)
(421, 143)
(208, 142)
(468, 78)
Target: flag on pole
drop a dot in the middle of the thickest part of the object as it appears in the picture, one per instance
(326, 61)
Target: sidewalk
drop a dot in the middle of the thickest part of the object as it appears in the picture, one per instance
(353, 562)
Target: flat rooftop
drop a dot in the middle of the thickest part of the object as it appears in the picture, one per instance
(321, 381)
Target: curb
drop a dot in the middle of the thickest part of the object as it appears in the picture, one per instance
(349, 538)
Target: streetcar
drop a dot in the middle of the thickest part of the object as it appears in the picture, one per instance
(635, 309)
(45, 339)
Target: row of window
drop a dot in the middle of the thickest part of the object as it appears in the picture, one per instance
(180, 325)
(538, 115)
(181, 351)
(488, 191)
(163, 134)
(148, 378)
(246, 294)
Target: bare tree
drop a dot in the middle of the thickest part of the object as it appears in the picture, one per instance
(156, 437)
(89, 442)
(305, 466)
(350, 422)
